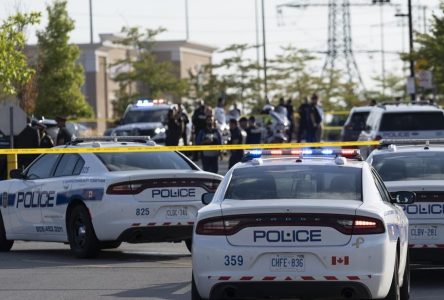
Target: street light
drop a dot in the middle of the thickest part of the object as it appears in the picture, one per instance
(412, 62)
(265, 52)
(91, 23)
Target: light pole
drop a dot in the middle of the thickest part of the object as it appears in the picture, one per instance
(91, 33)
(264, 40)
(187, 20)
(412, 62)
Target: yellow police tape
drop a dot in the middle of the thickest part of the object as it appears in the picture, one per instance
(81, 149)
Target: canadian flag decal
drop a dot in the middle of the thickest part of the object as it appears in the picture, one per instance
(340, 260)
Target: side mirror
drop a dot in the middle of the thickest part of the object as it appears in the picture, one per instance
(207, 198)
(16, 174)
(403, 197)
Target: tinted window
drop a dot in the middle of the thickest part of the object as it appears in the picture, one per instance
(145, 116)
(412, 121)
(410, 166)
(67, 165)
(295, 182)
(144, 161)
(358, 120)
(43, 167)
(381, 187)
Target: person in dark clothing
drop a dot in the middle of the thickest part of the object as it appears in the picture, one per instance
(184, 121)
(45, 139)
(209, 136)
(28, 138)
(254, 133)
(314, 120)
(238, 137)
(63, 136)
(199, 123)
(243, 124)
(304, 112)
(290, 117)
(174, 131)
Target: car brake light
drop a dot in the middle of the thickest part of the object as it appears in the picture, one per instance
(212, 226)
(366, 225)
(124, 188)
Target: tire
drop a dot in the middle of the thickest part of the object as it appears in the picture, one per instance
(5, 245)
(189, 244)
(395, 290)
(81, 235)
(110, 244)
(405, 289)
(194, 292)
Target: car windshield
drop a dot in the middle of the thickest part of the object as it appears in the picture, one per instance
(412, 121)
(410, 166)
(358, 120)
(295, 182)
(145, 116)
(144, 161)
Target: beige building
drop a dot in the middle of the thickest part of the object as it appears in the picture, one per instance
(98, 59)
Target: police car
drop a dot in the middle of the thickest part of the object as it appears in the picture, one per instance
(417, 166)
(301, 227)
(98, 200)
(419, 120)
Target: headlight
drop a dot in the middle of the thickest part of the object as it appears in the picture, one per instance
(159, 130)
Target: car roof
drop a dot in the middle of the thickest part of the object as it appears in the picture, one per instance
(106, 144)
(308, 161)
(403, 107)
(409, 149)
(362, 109)
(152, 107)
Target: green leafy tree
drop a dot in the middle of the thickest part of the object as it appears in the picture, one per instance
(61, 77)
(14, 69)
(141, 74)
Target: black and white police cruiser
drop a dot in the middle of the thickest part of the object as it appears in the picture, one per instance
(301, 227)
(96, 201)
(417, 166)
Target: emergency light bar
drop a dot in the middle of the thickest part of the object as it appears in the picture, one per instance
(347, 153)
(413, 142)
(149, 102)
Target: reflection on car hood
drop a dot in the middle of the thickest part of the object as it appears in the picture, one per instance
(142, 126)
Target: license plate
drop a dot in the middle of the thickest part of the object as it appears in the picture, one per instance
(423, 232)
(285, 262)
(177, 213)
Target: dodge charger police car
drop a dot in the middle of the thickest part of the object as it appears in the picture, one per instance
(301, 227)
(98, 200)
(417, 166)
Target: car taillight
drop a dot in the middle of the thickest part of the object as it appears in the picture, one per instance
(211, 185)
(124, 188)
(366, 225)
(212, 226)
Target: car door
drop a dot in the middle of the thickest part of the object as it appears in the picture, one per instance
(65, 177)
(31, 194)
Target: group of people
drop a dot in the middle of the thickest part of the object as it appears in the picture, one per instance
(311, 116)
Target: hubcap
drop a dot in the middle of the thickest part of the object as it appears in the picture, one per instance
(79, 231)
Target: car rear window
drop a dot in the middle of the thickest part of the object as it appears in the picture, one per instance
(144, 161)
(412, 121)
(410, 166)
(295, 182)
(358, 120)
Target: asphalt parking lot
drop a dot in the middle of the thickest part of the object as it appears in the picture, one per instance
(46, 271)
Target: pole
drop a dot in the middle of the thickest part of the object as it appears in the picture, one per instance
(258, 51)
(382, 48)
(187, 20)
(265, 52)
(412, 63)
(11, 127)
(91, 37)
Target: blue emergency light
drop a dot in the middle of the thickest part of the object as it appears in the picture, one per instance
(347, 153)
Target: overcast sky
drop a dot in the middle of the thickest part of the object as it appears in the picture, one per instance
(223, 22)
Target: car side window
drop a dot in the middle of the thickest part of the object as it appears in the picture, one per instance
(70, 164)
(381, 187)
(43, 167)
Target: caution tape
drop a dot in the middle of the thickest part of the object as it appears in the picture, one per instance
(75, 149)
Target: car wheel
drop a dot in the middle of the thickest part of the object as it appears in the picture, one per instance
(189, 244)
(81, 235)
(395, 290)
(405, 289)
(110, 244)
(194, 292)
(5, 245)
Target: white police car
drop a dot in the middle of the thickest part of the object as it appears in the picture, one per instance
(417, 166)
(300, 227)
(98, 200)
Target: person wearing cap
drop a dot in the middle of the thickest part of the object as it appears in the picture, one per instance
(45, 140)
(63, 136)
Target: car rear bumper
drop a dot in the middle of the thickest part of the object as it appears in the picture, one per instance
(427, 254)
(331, 290)
(156, 234)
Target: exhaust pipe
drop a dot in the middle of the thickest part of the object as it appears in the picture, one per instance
(230, 292)
(347, 293)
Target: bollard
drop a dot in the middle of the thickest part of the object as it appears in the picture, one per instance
(11, 163)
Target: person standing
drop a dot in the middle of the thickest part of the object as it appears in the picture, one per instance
(198, 120)
(63, 136)
(209, 136)
(28, 138)
(235, 113)
(243, 124)
(219, 112)
(254, 133)
(304, 120)
(174, 131)
(45, 140)
(317, 116)
(238, 137)
(290, 117)
(184, 121)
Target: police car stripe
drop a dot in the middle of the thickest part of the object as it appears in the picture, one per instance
(90, 194)
(11, 199)
(289, 278)
(169, 224)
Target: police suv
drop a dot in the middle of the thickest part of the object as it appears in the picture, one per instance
(98, 200)
(420, 120)
(301, 227)
(417, 166)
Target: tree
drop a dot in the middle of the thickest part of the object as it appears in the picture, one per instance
(61, 77)
(14, 69)
(141, 75)
(431, 52)
(394, 87)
